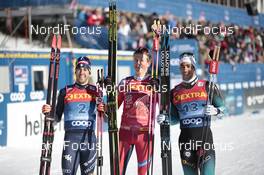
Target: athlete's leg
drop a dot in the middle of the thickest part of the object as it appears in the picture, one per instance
(125, 151)
(88, 154)
(142, 147)
(209, 163)
(70, 155)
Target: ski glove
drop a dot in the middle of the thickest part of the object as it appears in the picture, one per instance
(210, 110)
(161, 118)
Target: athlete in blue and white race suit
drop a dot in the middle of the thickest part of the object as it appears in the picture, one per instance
(78, 103)
(189, 108)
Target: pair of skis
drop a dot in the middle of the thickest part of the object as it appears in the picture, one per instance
(111, 98)
(111, 90)
(48, 134)
(164, 95)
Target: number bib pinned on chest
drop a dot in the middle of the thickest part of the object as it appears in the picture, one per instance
(190, 104)
(79, 108)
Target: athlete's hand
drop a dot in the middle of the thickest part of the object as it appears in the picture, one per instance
(154, 82)
(210, 110)
(46, 108)
(161, 118)
(108, 81)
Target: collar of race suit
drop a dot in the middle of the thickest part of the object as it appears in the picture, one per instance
(191, 82)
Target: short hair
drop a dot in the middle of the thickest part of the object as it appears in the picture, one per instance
(141, 51)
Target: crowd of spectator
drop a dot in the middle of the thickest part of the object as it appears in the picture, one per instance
(244, 45)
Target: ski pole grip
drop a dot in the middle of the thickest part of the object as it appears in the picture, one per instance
(213, 67)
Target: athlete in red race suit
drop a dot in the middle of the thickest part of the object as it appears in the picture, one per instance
(134, 92)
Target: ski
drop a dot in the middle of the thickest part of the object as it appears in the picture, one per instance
(156, 29)
(165, 104)
(100, 115)
(48, 133)
(111, 93)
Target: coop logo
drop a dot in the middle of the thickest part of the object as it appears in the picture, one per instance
(81, 123)
(188, 96)
(78, 96)
(1, 98)
(255, 100)
(17, 97)
(195, 121)
(36, 95)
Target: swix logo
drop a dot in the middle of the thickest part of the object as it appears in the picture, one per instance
(81, 123)
(187, 96)
(78, 96)
(195, 121)
(213, 69)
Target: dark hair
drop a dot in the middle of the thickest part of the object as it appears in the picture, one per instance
(141, 51)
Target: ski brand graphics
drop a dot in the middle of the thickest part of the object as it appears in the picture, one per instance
(48, 133)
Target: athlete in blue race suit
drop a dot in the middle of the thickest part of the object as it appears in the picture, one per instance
(189, 108)
(78, 103)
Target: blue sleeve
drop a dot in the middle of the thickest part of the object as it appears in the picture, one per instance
(60, 105)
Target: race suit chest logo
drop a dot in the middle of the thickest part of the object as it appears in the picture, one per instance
(187, 96)
(192, 121)
(78, 96)
(81, 123)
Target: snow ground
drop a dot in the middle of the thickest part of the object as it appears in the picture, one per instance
(242, 136)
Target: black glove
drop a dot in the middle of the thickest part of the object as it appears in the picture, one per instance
(108, 81)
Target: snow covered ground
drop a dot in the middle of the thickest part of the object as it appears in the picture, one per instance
(240, 150)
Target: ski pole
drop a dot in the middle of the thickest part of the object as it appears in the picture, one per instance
(213, 70)
(99, 100)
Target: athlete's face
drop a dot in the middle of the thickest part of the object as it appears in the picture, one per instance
(82, 75)
(141, 64)
(187, 71)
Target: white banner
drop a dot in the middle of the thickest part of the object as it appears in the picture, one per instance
(25, 124)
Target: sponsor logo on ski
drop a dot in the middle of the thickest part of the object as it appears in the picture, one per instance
(196, 121)
(81, 123)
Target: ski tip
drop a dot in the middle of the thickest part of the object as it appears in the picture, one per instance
(53, 44)
(59, 42)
